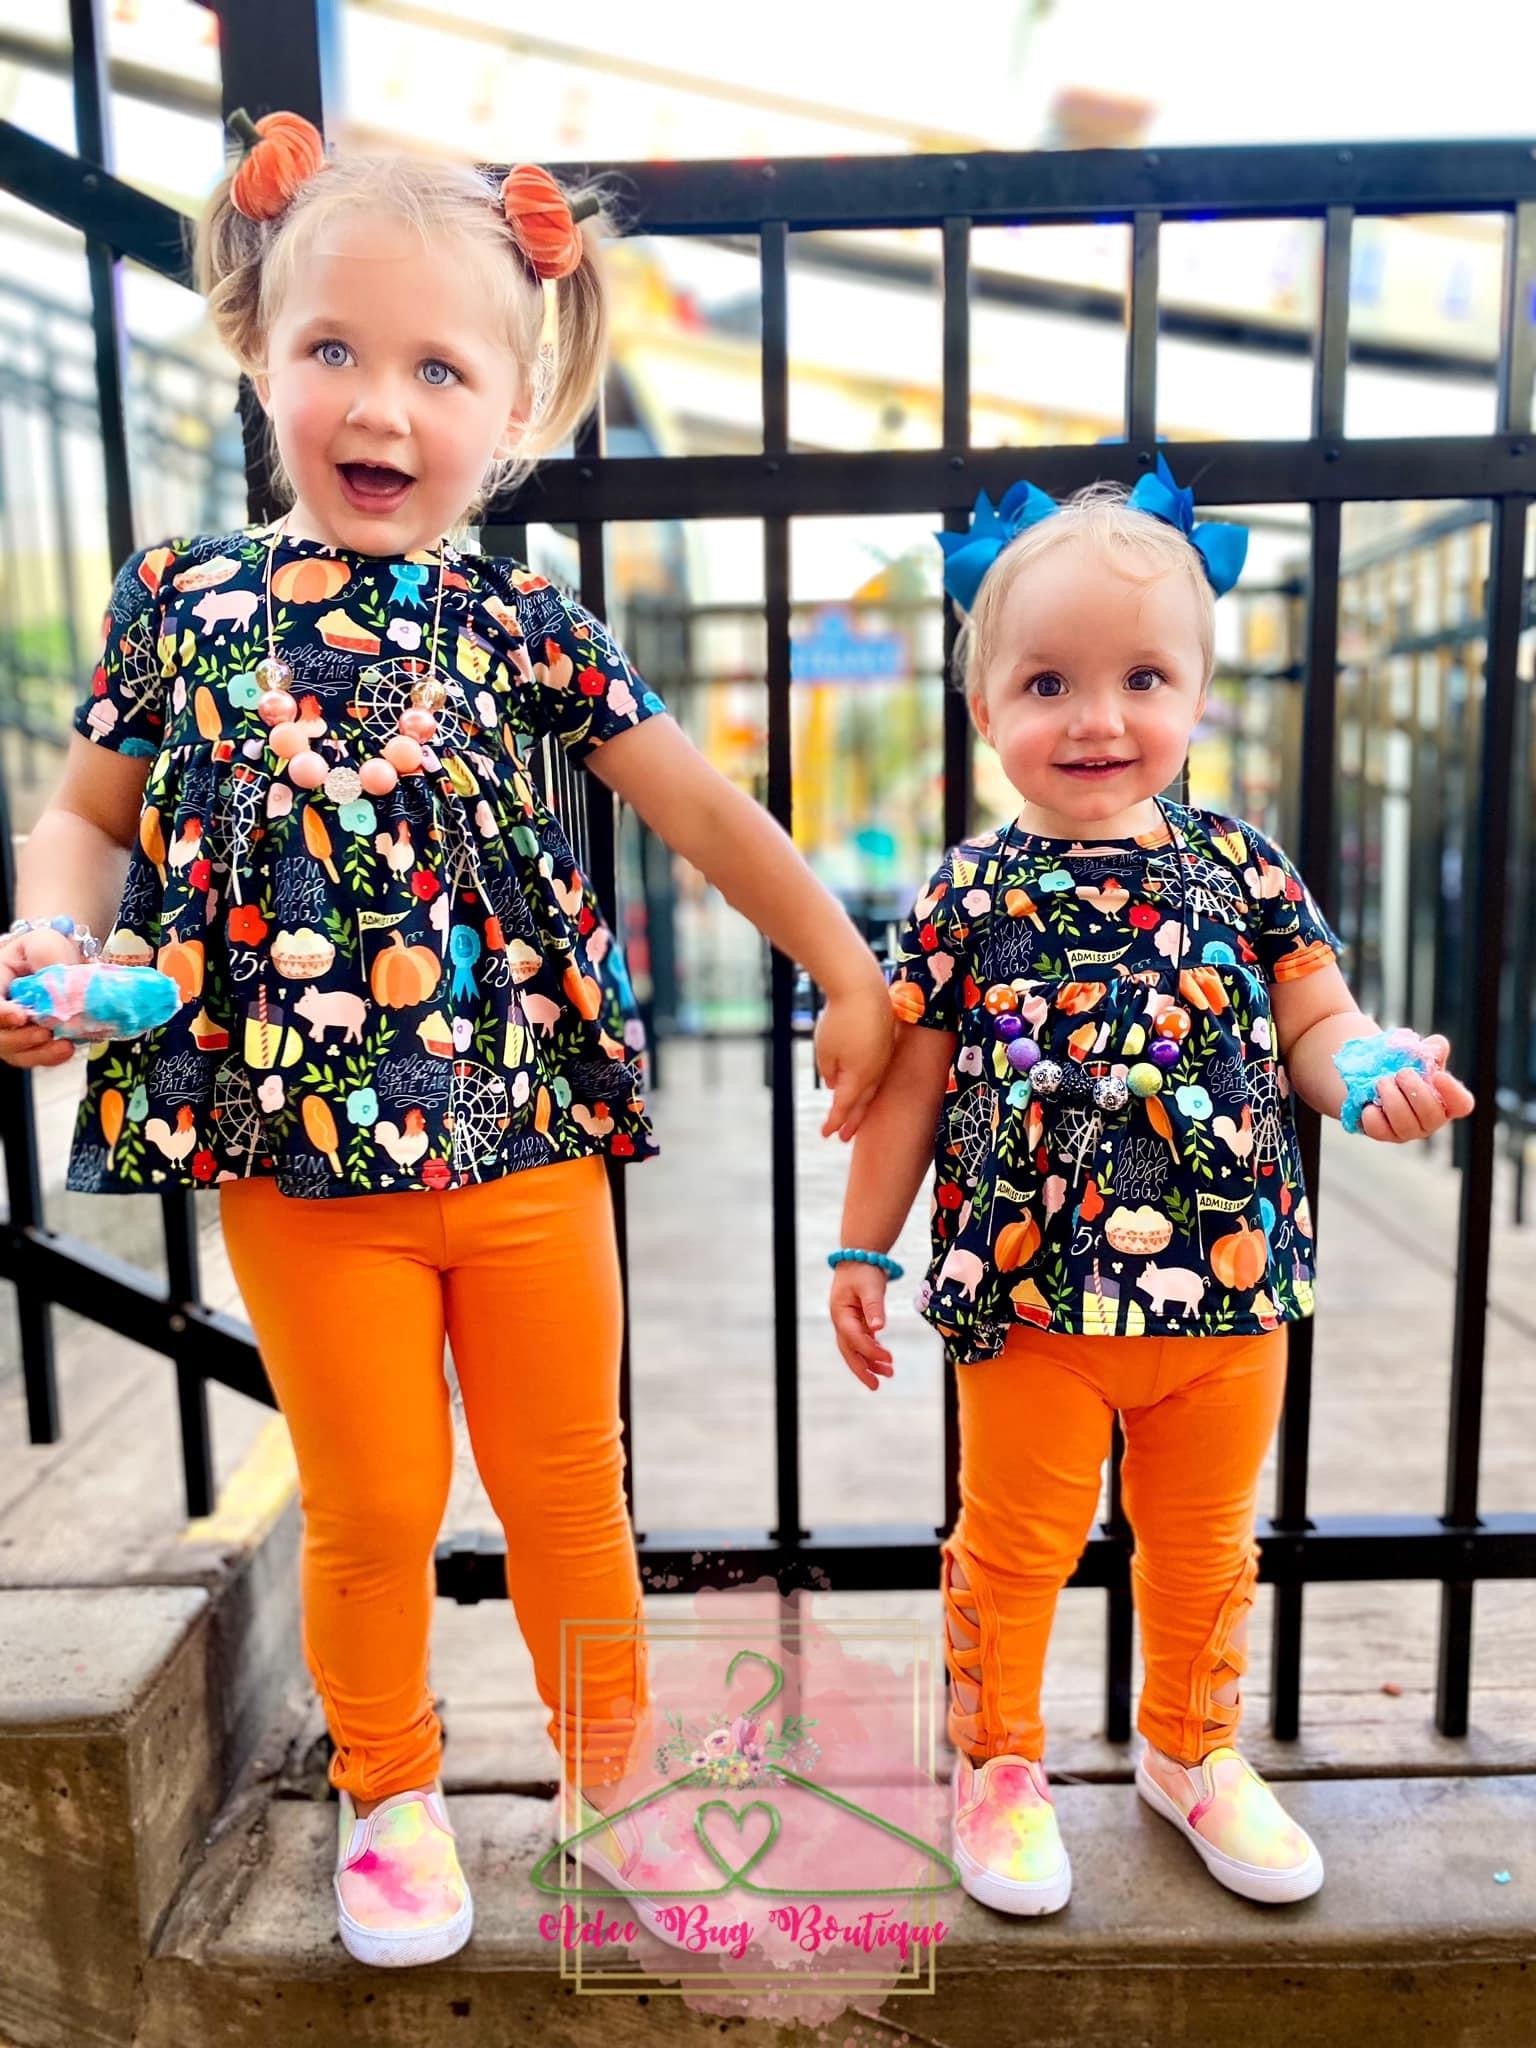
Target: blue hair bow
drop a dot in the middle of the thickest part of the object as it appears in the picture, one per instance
(1222, 548)
(968, 556)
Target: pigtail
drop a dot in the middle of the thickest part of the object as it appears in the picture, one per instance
(577, 350)
(227, 254)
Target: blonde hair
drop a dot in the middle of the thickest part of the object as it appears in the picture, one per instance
(244, 267)
(1140, 547)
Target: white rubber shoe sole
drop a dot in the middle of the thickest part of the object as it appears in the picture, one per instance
(402, 1951)
(1010, 1894)
(1249, 1880)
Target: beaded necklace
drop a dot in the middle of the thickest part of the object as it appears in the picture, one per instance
(407, 752)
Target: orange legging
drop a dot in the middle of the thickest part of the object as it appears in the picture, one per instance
(1035, 1424)
(350, 1300)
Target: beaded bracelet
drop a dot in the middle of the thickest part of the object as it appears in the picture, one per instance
(90, 947)
(847, 1256)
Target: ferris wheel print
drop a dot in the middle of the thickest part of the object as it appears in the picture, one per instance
(1205, 888)
(387, 688)
(139, 679)
(972, 1127)
(478, 1114)
(1078, 1133)
(1268, 1129)
(235, 1112)
(238, 817)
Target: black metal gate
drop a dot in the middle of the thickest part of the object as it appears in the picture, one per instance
(277, 56)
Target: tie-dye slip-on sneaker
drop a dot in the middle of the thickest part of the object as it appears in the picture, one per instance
(1234, 1823)
(653, 1850)
(401, 1897)
(1007, 1845)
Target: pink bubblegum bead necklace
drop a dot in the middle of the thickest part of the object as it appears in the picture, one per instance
(405, 753)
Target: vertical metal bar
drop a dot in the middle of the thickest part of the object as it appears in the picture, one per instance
(1485, 896)
(184, 1291)
(1141, 333)
(1478, 1061)
(1317, 855)
(93, 144)
(957, 753)
(776, 581)
(18, 1136)
(1119, 1612)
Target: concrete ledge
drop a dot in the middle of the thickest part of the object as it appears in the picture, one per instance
(1412, 1939)
(126, 1713)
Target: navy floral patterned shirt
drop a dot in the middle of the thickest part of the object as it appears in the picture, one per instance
(1172, 1201)
(387, 992)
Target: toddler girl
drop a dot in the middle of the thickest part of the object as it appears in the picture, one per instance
(1106, 1006)
(406, 1048)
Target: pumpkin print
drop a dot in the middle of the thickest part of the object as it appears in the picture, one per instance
(433, 952)
(314, 579)
(1017, 1244)
(404, 976)
(1241, 1258)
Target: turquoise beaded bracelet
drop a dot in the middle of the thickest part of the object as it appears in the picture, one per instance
(847, 1256)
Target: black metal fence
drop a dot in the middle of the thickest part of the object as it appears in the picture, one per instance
(277, 56)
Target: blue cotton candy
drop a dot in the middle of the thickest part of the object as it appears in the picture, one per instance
(95, 1002)
(1363, 1063)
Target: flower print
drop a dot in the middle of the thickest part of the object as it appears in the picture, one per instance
(406, 634)
(969, 1059)
(271, 1094)
(928, 938)
(203, 1165)
(363, 1108)
(424, 886)
(1144, 917)
(623, 1145)
(436, 1173)
(200, 874)
(244, 692)
(591, 682)
(948, 1195)
(1260, 1033)
(718, 1742)
(246, 924)
(700, 1759)
(279, 800)
(621, 698)
(1194, 1103)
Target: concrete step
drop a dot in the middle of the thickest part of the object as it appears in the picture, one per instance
(1413, 1938)
(126, 1714)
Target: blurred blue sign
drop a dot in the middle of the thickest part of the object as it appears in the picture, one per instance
(831, 650)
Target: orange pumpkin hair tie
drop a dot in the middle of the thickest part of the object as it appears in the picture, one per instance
(544, 223)
(282, 151)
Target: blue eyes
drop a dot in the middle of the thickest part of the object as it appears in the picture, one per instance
(335, 355)
(1141, 680)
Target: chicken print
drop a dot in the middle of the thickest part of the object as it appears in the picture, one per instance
(174, 1144)
(405, 1146)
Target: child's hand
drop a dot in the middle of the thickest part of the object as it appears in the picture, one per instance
(858, 1313)
(854, 1037)
(1412, 1105)
(24, 1042)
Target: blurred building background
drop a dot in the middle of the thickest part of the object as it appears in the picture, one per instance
(682, 79)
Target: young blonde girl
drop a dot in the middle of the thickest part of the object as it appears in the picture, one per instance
(406, 1048)
(1106, 1006)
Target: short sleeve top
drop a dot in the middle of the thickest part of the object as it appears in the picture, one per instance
(379, 992)
(1170, 1201)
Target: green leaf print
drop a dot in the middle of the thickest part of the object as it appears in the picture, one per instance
(1180, 1210)
(1198, 1149)
(488, 1040)
(1207, 1038)
(128, 1153)
(360, 865)
(342, 933)
(1223, 1320)
(1049, 968)
(371, 605)
(1058, 1286)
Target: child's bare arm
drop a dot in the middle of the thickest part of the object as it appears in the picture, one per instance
(73, 865)
(890, 1157)
(752, 861)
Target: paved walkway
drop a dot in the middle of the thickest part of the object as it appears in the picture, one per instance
(104, 1506)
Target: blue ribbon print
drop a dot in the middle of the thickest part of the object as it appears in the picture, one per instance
(410, 581)
(968, 556)
(1223, 549)
(464, 951)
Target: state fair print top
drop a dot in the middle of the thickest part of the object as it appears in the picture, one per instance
(1184, 1213)
(399, 992)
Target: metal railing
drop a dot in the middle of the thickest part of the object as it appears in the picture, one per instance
(276, 56)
